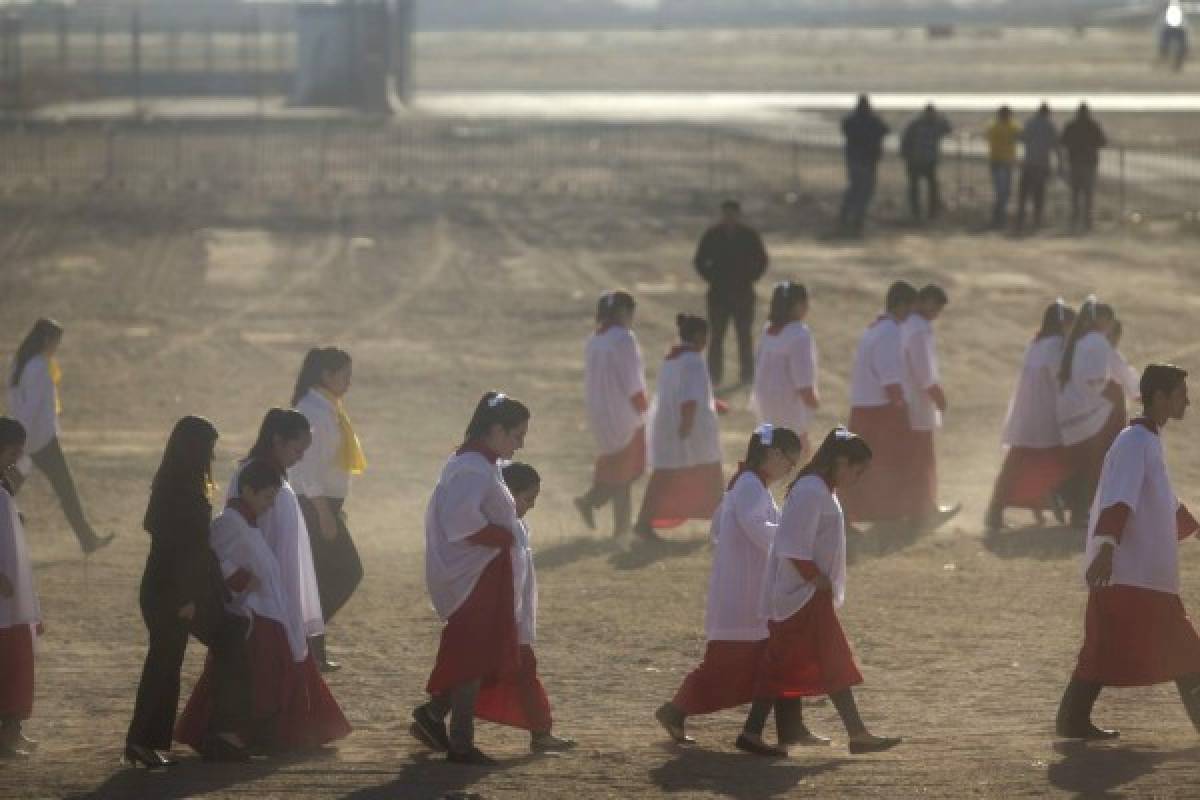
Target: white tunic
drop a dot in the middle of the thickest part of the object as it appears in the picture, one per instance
(1032, 419)
(613, 375)
(879, 362)
(286, 533)
(23, 607)
(921, 373)
(524, 585)
(1135, 473)
(319, 473)
(1125, 375)
(811, 528)
(786, 364)
(1082, 408)
(742, 529)
(238, 546)
(470, 495)
(31, 403)
(684, 379)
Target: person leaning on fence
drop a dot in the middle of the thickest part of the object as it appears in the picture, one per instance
(730, 258)
(864, 132)
(1082, 138)
(1040, 138)
(921, 147)
(1002, 136)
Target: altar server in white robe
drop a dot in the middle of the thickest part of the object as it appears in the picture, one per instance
(785, 375)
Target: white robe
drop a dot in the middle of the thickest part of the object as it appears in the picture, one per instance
(1082, 408)
(239, 545)
(32, 403)
(469, 496)
(319, 473)
(287, 535)
(1135, 473)
(684, 379)
(921, 372)
(524, 585)
(613, 375)
(811, 528)
(1125, 375)
(1032, 419)
(742, 530)
(23, 607)
(878, 362)
(786, 364)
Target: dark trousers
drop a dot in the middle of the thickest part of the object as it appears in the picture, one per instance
(338, 566)
(1032, 188)
(1083, 190)
(53, 464)
(860, 188)
(153, 723)
(918, 172)
(1002, 188)
(621, 498)
(723, 306)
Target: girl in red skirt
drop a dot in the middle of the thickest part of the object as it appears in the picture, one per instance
(20, 614)
(807, 654)
(615, 387)
(292, 707)
(685, 443)
(742, 532)
(1035, 461)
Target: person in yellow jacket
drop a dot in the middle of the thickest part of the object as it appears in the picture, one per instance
(1002, 137)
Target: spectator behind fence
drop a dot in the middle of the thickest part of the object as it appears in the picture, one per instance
(921, 148)
(1040, 138)
(864, 132)
(1002, 136)
(1082, 138)
(730, 258)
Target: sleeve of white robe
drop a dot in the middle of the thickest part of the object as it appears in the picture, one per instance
(798, 528)
(1124, 474)
(1091, 366)
(461, 514)
(632, 373)
(694, 382)
(34, 407)
(887, 358)
(308, 475)
(802, 363)
(1126, 375)
(752, 512)
(226, 540)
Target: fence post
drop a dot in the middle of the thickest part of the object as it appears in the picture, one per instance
(10, 31)
(208, 48)
(62, 24)
(135, 54)
(1121, 181)
(958, 191)
(110, 153)
(795, 163)
(322, 148)
(98, 66)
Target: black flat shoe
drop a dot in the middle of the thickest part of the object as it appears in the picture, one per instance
(587, 512)
(27, 744)
(672, 722)
(473, 756)
(216, 749)
(876, 744)
(10, 753)
(549, 743)
(940, 516)
(1088, 732)
(97, 543)
(327, 666)
(808, 739)
(758, 748)
(429, 730)
(137, 755)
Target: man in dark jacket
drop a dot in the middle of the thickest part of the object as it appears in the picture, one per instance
(730, 258)
(1082, 138)
(921, 148)
(864, 132)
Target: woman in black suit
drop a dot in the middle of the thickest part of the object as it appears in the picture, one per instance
(183, 593)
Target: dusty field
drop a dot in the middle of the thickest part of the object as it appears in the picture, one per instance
(965, 641)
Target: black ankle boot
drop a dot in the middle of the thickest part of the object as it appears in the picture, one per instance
(1074, 720)
(1189, 693)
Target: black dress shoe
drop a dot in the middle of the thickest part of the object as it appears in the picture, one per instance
(759, 748)
(1087, 732)
(672, 721)
(10, 753)
(876, 744)
(473, 756)
(329, 666)
(27, 744)
(429, 730)
(587, 512)
(221, 750)
(549, 743)
(139, 755)
(96, 543)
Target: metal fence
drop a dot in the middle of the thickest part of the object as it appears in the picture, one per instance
(286, 159)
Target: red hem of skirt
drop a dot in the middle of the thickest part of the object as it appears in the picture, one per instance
(674, 496)
(884, 492)
(1136, 637)
(518, 700)
(624, 466)
(16, 672)
(725, 678)
(807, 654)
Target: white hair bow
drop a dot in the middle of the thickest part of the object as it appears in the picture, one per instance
(765, 433)
(496, 399)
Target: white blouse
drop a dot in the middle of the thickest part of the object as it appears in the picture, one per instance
(878, 362)
(921, 373)
(1032, 419)
(31, 403)
(613, 375)
(786, 364)
(1082, 407)
(811, 528)
(684, 379)
(319, 473)
(23, 607)
(742, 530)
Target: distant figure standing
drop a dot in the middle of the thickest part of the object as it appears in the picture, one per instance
(730, 258)
(921, 148)
(1002, 137)
(1082, 138)
(1040, 138)
(864, 131)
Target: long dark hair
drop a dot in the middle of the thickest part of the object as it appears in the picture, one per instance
(610, 303)
(783, 299)
(317, 362)
(782, 439)
(495, 408)
(1085, 323)
(520, 477)
(284, 423)
(1056, 320)
(43, 333)
(690, 327)
(185, 472)
(838, 443)
(258, 475)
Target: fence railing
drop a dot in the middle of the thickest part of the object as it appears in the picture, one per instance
(345, 157)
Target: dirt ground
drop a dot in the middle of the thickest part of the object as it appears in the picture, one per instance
(965, 641)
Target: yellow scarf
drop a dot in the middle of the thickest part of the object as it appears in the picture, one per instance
(56, 379)
(350, 452)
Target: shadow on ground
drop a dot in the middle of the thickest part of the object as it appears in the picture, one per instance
(565, 553)
(1100, 771)
(641, 554)
(1037, 542)
(733, 775)
(191, 777)
(432, 777)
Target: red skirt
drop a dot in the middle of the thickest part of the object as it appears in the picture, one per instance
(518, 700)
(479, 641)
(885, 491)
(624, 466)
(1029, 477)
(16, 672)
(725, 678)
(673, 496)
(293, 707)
(1136, 637)
(807, 654)
(922, 473)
